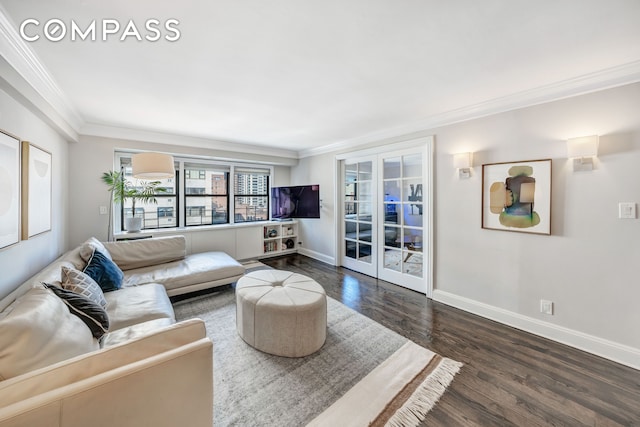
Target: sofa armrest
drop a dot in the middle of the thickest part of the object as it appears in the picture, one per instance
(130, 254)
(158, 380)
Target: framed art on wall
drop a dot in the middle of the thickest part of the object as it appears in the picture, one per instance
(9, 190)
(516, 196)
(36, 190)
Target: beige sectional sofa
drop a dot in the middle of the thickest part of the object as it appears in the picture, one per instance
(147, 370)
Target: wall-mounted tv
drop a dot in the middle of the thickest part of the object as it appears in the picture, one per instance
(300, 201)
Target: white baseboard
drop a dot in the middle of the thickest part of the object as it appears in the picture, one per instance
(616, 352)
(317, 255)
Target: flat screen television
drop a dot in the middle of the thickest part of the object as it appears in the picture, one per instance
(299, 201)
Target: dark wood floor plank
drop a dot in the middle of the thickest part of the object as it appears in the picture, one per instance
(510, 377)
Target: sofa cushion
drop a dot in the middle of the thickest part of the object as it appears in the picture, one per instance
(91, 313)
(38, 330)
(194, 269)
(137, 304)
(81, 283)
(134, 332)
(104, 271)
(140, 253)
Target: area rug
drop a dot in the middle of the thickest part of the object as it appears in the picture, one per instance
(353, 379)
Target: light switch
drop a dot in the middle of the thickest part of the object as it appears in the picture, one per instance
(627, 210)
(103, 210)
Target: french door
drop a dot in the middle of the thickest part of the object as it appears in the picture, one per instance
(359, 219)
(401, 252)
(385, 216)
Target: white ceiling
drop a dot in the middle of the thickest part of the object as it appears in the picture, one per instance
(299, 75)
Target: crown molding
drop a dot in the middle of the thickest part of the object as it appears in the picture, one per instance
(587, 83)
(26, 76)
(31, 79)
(113, 132)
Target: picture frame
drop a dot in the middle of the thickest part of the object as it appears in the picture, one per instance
(36, 190)
(516, 196)
(10, 202)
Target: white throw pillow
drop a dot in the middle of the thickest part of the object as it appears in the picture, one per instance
(81, 283)
(87, 248)
(38, 331)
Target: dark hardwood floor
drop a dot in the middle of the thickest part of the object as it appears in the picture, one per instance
(509, 378)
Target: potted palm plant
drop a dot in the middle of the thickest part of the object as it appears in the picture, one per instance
(121, 190)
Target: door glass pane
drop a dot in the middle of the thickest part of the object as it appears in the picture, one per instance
(364, 252)
(391, 213)
(392, 259)
(392, 191)
(349, 209)
(364, 231)
(350, 191)
(351, 230)
(364, 191)
(364, 211)
(412, 190)
(351, 173)
(413, 239)
(364, 171)
(412, 214)
(412, 166)
(412, 263)
(392, 236)
(391, 168)
(350, 249)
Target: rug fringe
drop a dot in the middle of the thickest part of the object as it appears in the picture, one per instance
(427, 394)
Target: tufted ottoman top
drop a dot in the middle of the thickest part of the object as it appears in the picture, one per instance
(270, 286)
(281, 313)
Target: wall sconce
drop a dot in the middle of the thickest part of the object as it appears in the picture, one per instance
(462, 162)
(152, 166)
(582, 150)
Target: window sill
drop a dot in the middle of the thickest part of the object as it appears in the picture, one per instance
(194, 229)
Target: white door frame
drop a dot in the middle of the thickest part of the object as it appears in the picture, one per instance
(428, 244)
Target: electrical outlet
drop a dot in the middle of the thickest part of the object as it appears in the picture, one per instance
(546, 307)
(103, 210)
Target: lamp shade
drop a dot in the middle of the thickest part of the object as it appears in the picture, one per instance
(152, 166)
(462, 160)
(585, 146)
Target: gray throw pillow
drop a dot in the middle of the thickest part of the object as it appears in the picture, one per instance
(80, 283)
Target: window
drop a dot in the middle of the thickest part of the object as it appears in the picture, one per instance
(166, 201)
(251, 194)
(201, 193)
(206, 192)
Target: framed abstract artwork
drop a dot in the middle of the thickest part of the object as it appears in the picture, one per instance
(9, 190)
(36, 190)
(516, 196)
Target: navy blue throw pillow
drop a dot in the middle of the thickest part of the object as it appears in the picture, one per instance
(104, 271)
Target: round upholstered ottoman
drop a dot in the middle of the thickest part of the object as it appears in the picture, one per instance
(281, 313)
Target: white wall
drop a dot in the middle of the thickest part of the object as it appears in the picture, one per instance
(23, 260)
(94, 155)
(587, 267)
(317, 235)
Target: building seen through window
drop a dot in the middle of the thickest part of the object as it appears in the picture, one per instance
(201, 193)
